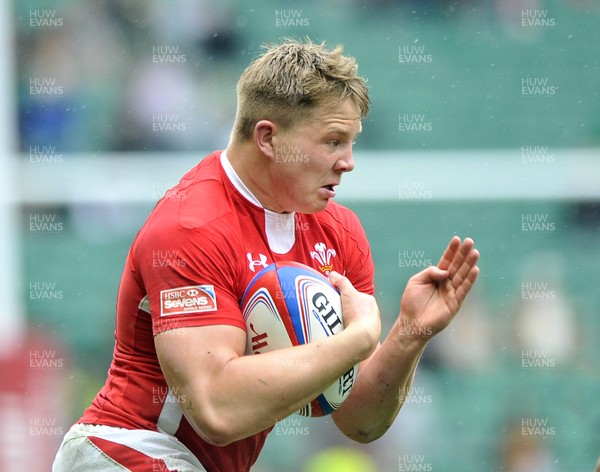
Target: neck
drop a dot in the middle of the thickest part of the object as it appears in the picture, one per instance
(253, 170)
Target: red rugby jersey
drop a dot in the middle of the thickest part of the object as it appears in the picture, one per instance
(189, 266)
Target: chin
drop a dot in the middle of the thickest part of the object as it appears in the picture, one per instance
(315, 208)
(310, 206)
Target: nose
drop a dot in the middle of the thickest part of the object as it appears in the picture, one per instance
(345, 163)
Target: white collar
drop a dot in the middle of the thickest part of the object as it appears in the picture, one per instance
(237, 182)
(280, 227)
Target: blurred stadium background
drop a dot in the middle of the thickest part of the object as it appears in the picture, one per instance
(485, 122)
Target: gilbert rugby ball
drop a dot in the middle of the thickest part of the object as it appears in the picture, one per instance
(288, 304)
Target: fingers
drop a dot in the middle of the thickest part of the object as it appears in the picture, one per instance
(359, 310)
(449, 253)
(465, 275)
(463, 289)
(455, 254)
(460, 256)
(461, 272)
(460, 261)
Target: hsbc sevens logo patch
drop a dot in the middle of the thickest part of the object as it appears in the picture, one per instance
(186, 300)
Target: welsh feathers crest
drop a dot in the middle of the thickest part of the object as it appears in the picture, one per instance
(322, 254)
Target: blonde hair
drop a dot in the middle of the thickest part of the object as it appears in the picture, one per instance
(291, 80)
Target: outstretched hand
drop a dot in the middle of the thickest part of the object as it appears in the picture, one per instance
(433, 296)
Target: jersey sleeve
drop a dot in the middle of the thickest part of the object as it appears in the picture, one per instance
(360, 269)
(188, 278)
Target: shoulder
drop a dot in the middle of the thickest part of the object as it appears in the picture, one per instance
(340, 217)
(196, 211)
(201, 197)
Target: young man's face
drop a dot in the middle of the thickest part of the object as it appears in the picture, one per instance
(311, 157)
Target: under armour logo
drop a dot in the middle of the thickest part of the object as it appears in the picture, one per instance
(262, 261)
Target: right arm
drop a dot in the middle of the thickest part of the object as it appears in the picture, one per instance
(227, 396)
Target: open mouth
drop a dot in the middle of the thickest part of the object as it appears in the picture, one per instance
(329, 190)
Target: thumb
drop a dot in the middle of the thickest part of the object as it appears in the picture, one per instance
(339, 281)
(432, 274)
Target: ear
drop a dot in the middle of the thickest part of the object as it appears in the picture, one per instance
(264, 131)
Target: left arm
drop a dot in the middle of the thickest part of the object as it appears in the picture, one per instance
(430, 301)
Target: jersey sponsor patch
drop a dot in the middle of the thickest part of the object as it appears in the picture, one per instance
(186, 300)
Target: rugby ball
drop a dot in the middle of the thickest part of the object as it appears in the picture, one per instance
(288, 304)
